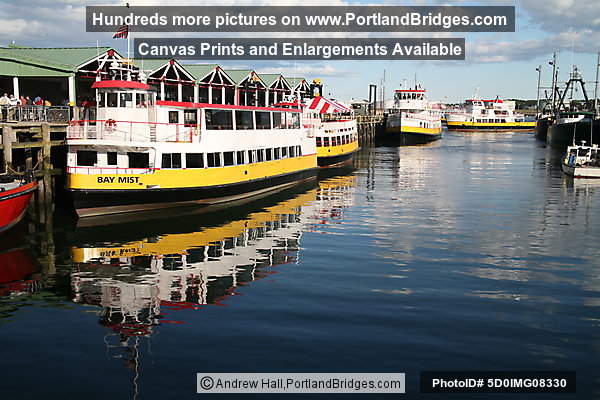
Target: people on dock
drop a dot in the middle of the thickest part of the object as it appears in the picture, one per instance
(4, 103)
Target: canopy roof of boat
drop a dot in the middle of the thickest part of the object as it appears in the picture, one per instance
(325, 106)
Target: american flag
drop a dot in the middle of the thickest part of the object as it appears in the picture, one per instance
(122, 33)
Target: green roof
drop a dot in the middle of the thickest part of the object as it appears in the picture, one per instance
(269, 79)
(295, 81)
(151, 64)
(199, 71)
(238, 75)
(37, 61)
(66, 58)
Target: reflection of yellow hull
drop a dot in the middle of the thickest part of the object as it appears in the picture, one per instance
(179, 243)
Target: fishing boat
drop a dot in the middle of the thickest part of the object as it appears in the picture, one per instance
(144, 154)
(582, 161)
(412, 120)
(488, 115)
(574, 122)
(334, 127)
(573, 127)
(15, 193)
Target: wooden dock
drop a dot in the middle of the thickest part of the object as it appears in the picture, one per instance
(368, 127)
(26, 146)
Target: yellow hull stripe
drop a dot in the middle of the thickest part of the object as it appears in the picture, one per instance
(414, 129)
(492, 124)
(334, 151)
(189, 178)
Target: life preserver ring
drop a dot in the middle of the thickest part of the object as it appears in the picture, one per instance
(110, 123)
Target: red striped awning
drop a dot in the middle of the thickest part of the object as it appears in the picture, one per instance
(326, 106)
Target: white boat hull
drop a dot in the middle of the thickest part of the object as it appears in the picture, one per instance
(581, 172)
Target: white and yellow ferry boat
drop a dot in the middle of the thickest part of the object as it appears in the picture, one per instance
(412, 120)
(334, 127)
(492, 115)
(142, 154)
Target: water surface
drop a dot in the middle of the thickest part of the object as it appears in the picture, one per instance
(471, 253)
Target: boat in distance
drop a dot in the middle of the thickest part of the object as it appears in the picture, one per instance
(142, 154)
(488, 115)
(412, 120)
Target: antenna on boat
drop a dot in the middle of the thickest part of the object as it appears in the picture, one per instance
(596, 84)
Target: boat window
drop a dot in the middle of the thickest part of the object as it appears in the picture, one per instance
(171, 160)
(190, 117)
(298, 151)
(319, 142)
(111, 158)
(219, 119)
(260, 155)
(263, 120)
(292, 151)
(111, 100)
(278, 120)
(268, 154)
(326, 142)
(141, 100)
(240, 158)
(87, 158)
(277, 153)
(125, 100)
(173, 117)
(228, 158)
(243, 120)
(284, 152)
(138, 160)
(334, 141)
(194, 160)
(213, 159)
(101, 99)
(251, 156)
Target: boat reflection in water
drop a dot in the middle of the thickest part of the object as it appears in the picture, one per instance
(19, 272)
(191, 261)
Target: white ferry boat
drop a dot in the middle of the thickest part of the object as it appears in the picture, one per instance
(582, 161)
(412, 120)
(334, 127)
(142, 154)
(492, 115)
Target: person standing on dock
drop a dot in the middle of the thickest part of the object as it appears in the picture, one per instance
(4, 103)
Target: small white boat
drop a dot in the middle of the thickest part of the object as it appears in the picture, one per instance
(582, 161)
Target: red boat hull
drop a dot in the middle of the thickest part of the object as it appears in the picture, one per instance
(13, 204)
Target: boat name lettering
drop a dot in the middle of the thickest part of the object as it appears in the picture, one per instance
(122, 179)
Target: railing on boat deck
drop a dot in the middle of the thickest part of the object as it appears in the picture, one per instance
(109, 170)
(128, 131)
(35, 113)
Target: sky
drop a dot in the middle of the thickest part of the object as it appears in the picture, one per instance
(496, 64)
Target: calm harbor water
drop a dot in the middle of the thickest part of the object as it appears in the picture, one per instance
(471, 253)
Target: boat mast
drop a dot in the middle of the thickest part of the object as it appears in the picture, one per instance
(596, 84)
(537, 103)
(554, 83)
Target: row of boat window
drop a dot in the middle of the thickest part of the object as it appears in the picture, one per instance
(89, 158)
(335, 140)
(228, 158)
(125, 100)
(239, 119)
(490, 120)
(338, 130)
